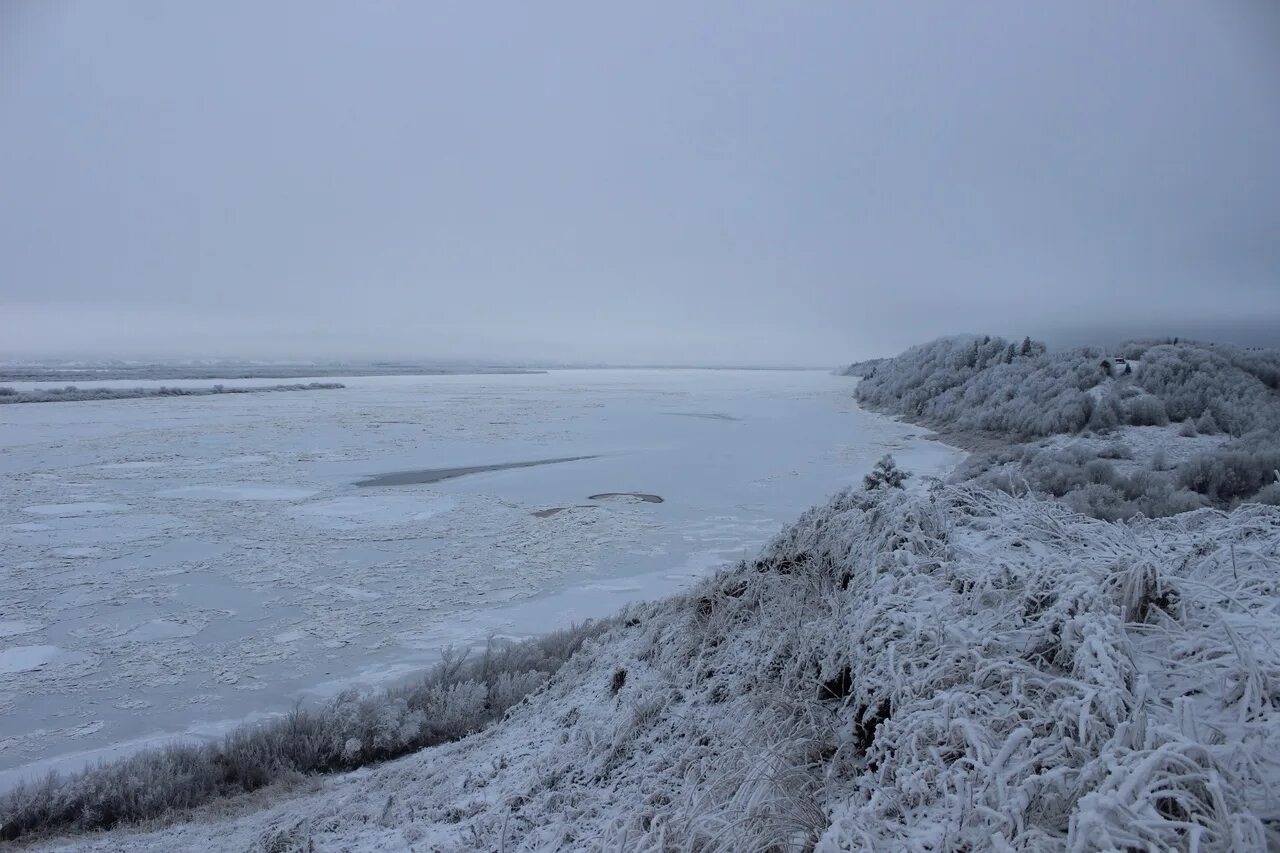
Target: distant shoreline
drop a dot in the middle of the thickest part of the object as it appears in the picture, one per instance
(72, 372)
(176, 372)
(72, 394)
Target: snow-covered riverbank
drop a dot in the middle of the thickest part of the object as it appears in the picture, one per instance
(950, 666)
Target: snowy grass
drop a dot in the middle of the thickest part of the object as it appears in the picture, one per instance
(972, 670)
(457, 698)
(73, 394)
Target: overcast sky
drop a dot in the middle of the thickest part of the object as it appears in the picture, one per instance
(632, 182)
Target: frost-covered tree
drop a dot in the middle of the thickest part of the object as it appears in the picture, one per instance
(1106, 415)
(1207, 424)
(942, 381)
(1147, 410)
(886, 474)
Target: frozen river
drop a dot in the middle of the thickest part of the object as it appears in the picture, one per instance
(171, 566)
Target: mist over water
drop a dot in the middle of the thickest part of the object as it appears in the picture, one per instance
(660, 184)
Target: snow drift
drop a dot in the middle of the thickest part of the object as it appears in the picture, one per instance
(956, 669)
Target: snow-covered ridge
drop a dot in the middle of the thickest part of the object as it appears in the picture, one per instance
(949, 669)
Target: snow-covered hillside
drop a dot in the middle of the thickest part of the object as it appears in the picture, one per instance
(947, 669)
(1023, 391)
(1204, 418)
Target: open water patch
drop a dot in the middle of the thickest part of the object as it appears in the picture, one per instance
(435, 475)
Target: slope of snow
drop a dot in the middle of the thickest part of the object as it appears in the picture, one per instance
(956, 669)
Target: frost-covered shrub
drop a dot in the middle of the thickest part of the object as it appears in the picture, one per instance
(1085, 479)
(510, 687)
(886, 474)
(1261, 363)
(1100, 471)
(1188, 429)
(1115, 449)
(1228, 384)
(1269, 494)
(1106, 414)
(1084, 476)
(1207, 424)
(1098, 500)
(1229, 475)
(6, 391)
(1175, 501)
(1147, 410)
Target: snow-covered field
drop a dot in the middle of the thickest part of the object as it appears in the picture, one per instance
(173, 566)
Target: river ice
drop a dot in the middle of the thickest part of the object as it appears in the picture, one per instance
(171, 566)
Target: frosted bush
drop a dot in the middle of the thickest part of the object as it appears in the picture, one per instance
(1099, 501)
(1207, 424)
(1086, 479)
(1230, 475)
(1115, 449)
(1100, 471)
(509, 688)
(1106, 414)
(1147, 410)
(886, 474)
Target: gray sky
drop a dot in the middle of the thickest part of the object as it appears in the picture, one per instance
(642, 182)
